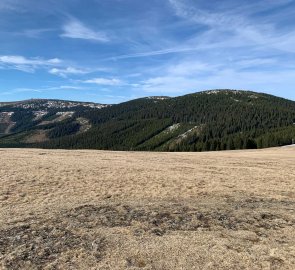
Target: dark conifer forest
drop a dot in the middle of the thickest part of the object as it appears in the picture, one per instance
(205, 121)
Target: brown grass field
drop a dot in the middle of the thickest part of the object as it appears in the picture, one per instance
(133, 210)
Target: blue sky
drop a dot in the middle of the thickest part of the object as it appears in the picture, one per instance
(110, 51)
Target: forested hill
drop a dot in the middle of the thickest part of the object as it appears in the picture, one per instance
(203, 121)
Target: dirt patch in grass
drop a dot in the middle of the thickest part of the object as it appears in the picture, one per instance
(34, 245)
(250, 214)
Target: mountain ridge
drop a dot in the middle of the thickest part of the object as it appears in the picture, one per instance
(217, 119)
(210, 91)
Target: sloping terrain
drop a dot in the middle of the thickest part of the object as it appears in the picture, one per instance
(31, 122)
(6, 124)
(130, 210)
(204, 121)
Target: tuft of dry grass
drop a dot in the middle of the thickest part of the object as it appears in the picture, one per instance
(132, 210)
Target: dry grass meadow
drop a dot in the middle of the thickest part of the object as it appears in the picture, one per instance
(132, 210)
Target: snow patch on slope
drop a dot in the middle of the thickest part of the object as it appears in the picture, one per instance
(172, 128)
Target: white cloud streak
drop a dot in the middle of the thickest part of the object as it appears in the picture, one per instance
(9, 5)
(104, 81)
(34, 33)
(158, 52)
(234, 24)
(21, 60)
(77, 30)
(190, 76)
(64, 72)
(228, 27)
(234, 50)
(42, 89)
(26, 64)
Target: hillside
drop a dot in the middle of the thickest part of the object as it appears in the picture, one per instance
(29, 122)
(203, 121)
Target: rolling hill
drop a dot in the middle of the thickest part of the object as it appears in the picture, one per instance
(204, 121)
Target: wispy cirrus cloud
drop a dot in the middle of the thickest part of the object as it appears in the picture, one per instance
(43, 89)
(63, 87)
(232, 43)
(21, 60)
(8, 5)
(64, 72)
(229, 78)
(105, 81)
(190, 76)
(237, 25)
(34, 33)
(23, 89)
(77, 30)
(179, 49)
(27, 64)
(228, 26)
(54, 66)
(167, 47)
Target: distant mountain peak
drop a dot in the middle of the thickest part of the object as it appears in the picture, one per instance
(158, 97)
(52, 103)
(225, 91)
